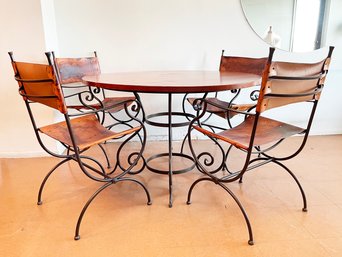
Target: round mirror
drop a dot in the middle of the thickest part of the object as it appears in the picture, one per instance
(295, 25)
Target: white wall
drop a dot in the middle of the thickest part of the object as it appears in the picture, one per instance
(22, 32)
(133, 35)
(138, 35)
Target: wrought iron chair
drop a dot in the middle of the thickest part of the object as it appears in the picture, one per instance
(70, 72)
(222, 103)
(38, 84)
(283, 84)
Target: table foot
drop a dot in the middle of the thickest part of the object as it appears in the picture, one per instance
(170, 198)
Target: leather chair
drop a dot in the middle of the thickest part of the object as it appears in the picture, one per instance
(283, 84)
(78, 132)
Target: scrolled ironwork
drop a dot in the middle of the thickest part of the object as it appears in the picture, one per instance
(96, 90)
(131, 161)
(142, 138)
(86, 98)
(254, 95)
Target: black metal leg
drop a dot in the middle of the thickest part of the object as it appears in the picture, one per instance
(305, 209)
(170, 154)
(97, 192)
(40, 202)
(249, 227)
(170, 147)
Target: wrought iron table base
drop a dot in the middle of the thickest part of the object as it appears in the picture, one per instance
(170, 152)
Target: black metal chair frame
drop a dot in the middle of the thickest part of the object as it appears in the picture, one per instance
(96, 171)
(256, 156)
(226, 104)
(87, 97)
(90, 98)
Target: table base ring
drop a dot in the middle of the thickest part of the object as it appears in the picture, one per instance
(180, 171)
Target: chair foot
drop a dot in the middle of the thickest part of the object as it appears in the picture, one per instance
(149, 203)
(77, 238)
(297, 182)
(188, 202)
(39, 202)
(250, 242)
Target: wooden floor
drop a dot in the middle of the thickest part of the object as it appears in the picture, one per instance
(119, 223)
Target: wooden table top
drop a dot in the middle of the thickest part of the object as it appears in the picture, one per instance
(173, 81)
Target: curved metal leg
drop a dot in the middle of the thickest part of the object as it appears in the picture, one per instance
(249, 227)
(149, 201)
(97, 192)
(192, 187)
(39, 202)
(304, 209)
(77, 234)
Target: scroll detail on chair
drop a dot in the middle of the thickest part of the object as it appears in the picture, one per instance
(283, 84)
(38, 84)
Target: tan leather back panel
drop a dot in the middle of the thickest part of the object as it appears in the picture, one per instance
(32, 71)
(243, 64)
(72, 70)
(288, 86)
(295, 69)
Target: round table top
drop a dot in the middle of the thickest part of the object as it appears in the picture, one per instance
(173, 81)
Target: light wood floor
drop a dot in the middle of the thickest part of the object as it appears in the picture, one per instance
(119, 223)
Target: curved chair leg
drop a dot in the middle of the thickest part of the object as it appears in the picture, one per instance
(98, 191)
(40, 202)
(77, 234)
(149, 201)
(297, 181)
(249, 227)
(192, 187)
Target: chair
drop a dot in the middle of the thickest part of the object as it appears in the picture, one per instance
(70, 72)
(220, 104)
(38, 84)
(283, 84)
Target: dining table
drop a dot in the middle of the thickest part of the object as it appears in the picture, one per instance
(170, 83)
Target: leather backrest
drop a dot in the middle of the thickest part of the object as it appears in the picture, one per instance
(71, 70)
(243, 64)
(38, 83)
(289, 83)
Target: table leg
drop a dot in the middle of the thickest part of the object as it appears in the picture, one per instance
(170, 154)
(170, 147)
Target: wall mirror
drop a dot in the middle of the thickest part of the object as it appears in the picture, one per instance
(295, 25)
